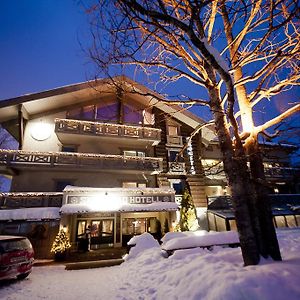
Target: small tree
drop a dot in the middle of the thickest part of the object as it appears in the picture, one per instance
(61, 243)
(188, 214)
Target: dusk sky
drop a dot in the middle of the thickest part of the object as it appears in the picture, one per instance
(40, 46)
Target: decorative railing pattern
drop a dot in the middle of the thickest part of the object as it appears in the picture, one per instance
(174, 140)
(30, 199)
(106, 129)
(176, 167)
(18, 158)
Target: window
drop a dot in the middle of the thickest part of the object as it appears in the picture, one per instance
(69, 148)
(133, 185)
(82, 113)
(173, 130)
(134, 153)
(109, 113)
(81, 226)
(132, 115)
(178, 185)
(149, 118)
(102, 232)
(173, 156)
(112, 111)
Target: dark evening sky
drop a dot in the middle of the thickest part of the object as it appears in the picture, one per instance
(39, 45)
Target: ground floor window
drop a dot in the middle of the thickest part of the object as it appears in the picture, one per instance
(102, 232)
(94, 234)
(136, 226)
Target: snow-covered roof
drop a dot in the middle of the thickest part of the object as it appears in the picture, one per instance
(32, 213)
(148, 190)
(84, 208)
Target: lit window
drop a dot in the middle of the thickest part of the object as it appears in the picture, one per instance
(133, 185)
(81, 225)
(129, 184)
(134, 153)
(149, 118)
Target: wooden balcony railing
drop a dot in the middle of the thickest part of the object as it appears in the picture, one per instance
(30, 199)
(107, 130)
(21, 158)
(281, 172)
(174, 140)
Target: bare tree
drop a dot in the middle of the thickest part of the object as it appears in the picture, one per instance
(238, 54)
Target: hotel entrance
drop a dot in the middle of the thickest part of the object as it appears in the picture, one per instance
(109, 217)
(98, 232)
(102, 233)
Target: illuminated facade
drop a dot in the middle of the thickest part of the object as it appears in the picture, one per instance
(106, 154)
(104, 137)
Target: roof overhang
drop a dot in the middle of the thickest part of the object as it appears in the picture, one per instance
(60, 98)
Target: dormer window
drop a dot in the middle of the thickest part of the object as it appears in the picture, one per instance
(173, 130)
(174, 137)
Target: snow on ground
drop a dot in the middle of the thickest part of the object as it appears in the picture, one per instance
(187, 274)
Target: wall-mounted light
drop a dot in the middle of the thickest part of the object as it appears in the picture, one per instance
(41, 131)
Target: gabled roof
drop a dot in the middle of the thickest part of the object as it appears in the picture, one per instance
(60, 98)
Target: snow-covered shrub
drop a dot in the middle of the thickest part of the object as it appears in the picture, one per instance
(141, 243)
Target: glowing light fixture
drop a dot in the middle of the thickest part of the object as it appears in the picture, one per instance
(41, 131)
(106, 202)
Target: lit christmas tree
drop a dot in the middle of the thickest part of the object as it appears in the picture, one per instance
(188, 215)
(61, 243)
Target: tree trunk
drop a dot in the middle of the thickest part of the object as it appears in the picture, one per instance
(236, 170)
(268, 243)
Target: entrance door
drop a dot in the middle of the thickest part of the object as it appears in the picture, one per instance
(102, 233)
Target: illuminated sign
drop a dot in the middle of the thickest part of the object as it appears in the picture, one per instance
(123, 200)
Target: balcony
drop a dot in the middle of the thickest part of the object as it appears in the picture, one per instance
(65, 160)
(66, 127)
(174, 141)
(177, 168)
(280, 172)
(30, 199)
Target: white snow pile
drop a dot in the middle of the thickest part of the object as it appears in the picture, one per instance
(192, 239)
(139, 244)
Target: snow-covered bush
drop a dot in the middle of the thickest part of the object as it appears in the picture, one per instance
(140, 243)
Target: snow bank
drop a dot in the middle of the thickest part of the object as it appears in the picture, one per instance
(199, 239)
(140, 243)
